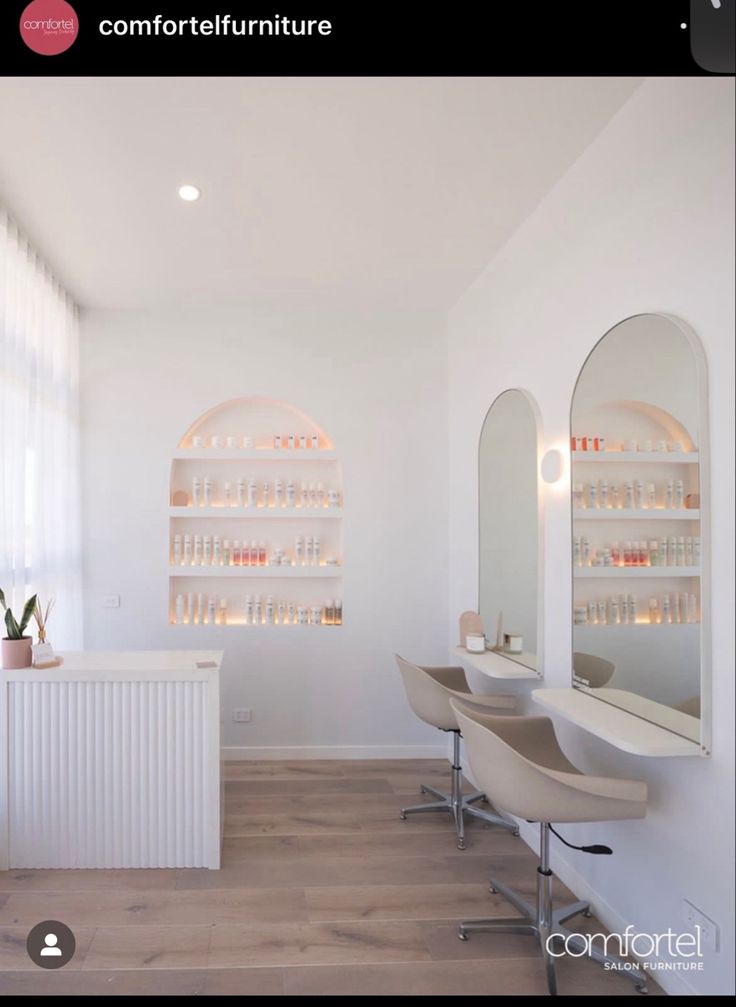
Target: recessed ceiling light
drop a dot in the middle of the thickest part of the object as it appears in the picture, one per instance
(189, 193)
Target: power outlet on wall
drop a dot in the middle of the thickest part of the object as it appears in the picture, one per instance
(242, 716)
(111, 601)
(709, 931)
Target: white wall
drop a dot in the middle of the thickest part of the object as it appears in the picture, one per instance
(378, 388)
(642, 222)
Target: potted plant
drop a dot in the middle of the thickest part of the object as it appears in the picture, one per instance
(16, 646)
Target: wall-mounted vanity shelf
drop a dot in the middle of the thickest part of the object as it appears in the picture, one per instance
(655, 514)
(270, 591)
(498, 665)
(643, 457)
(637, 571)
(624, 729)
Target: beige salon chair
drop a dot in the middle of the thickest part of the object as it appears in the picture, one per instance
(429, 691)
(595, 672)
(521, 767)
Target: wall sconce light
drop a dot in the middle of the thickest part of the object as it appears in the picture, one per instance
(552, 466)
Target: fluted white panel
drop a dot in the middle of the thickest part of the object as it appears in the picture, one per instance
(109, 774)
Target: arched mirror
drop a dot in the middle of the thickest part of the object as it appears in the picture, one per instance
(509, 528)
(639, 530)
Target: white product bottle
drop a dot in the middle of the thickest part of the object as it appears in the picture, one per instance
(653, 611)
(315, 551)
(211, 612)
(291, 613)
(615, 497)
(177, 550)
(266, 495)
(216, 551)
(303, 496)
(679, 499)
(672, 550)
(613, 614)
(187, 550)
(196, 492)
(577, 496)
(692, 608)
(689, 551)
(291, 442)
(666, 610)
(290, 493)
(623, 607)
(223, 611)
(651, 496)
(333, 497)
(248, 610)
(632, 614)
(299, 551)
(629, 496)
(179, 609)
(199, 611)
(269, 611)
(669, 494)
(681, 550)
(316, 615)
(302, 616)
(591, 612)
(602, 613)
(252, 493)
(312, 495)
(338, 611)
(315, 442)
(197, 550)
(257, 611)
(592, 496)
(663, 552)
(676, 614)
(308, 550)
(639, 494)
(654, 554)
(277, 441)
(281, 610)
(278, 493)
(207, 494)
(320, 495)
(585, 551)
(696, 551)
(206, 551)
(228, 494)
(241, 492)
(302, 441)
(190, 608)
(603, 494)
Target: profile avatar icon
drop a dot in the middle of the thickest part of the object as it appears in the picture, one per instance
(50, 940)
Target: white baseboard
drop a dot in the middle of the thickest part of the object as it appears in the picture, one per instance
(673, 983)
(240, 753)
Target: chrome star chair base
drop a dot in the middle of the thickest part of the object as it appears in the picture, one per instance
(458, 804)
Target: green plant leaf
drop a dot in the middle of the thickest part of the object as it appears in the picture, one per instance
(28, 609)
(12, 626)
(2, 599)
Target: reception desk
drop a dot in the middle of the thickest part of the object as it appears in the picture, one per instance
(112, 760)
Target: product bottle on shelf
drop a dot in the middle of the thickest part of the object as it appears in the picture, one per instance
(308, 554)
(177, 550)
(196, 492)
(197, 550)
(262, 557)
(248, 610)
(206, 551)
(227, 556)
(207, 491)
(216, 551)
(257, 611)
(223, 611)
(187, 550)
(241, 492)
(179, 609)
(290, 494)
(338, 611)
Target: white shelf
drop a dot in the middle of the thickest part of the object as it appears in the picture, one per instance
(239, 624)
(668, 457)
(635, 571)
(259, 513)
(497, 665)
(655, 514)
(257, 455)
(624, 729)
(649, 626)
(245, 572)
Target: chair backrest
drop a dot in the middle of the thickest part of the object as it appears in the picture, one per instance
(470, 623)
(596, 671)
(427, 698)
(518, 764)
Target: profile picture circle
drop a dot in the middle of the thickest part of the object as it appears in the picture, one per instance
(51, 944)
(49, 27)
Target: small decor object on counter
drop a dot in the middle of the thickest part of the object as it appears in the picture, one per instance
(513, 643)
(43, 652)
(180, 499)
(475, 643)
(16, 646)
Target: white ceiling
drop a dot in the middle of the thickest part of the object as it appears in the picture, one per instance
(344, 190)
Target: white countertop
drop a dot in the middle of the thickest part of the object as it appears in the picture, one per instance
(498, 665)
(126, 665)
(625, 730)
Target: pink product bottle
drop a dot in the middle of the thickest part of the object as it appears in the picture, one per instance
(245, 555)
(262, 561)
(615, 554)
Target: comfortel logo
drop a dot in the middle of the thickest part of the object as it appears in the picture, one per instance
(49, 27)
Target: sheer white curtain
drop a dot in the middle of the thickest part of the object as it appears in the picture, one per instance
(40, 527)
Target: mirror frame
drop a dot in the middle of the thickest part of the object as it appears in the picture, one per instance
(535, 411)
(701, 380)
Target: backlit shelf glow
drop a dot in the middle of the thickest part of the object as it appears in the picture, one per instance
(245, 572)
(241, 624)
(255, 455)
(654, 514)
(258, 513)
(646, 457)
(636, 571)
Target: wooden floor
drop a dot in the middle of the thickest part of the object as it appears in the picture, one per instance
(323, 891)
